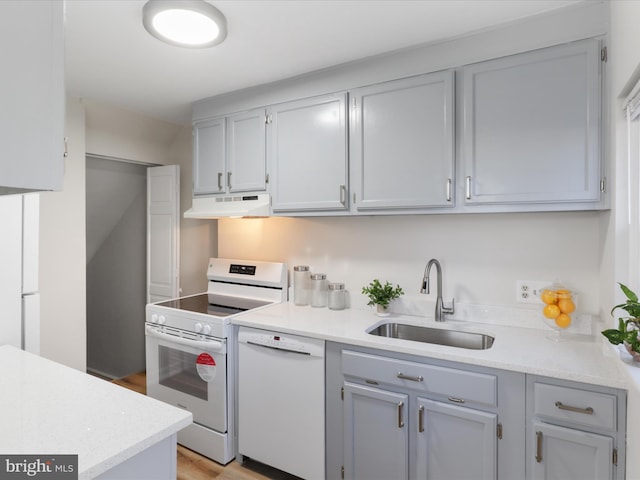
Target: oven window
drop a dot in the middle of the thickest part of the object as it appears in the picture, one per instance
(178, 371)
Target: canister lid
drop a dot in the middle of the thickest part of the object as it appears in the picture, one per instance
(336, 286)
(318, 276)
(301, 268)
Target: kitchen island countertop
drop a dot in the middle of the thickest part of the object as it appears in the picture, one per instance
(580, 358)
(47, 408)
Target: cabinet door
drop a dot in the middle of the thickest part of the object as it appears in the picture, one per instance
(33, 96)
(401, 138)
(209, 157)
(308, 154)
(560, 453)
(376, 433)
(531, 131)
(455, 442)
(246, 152)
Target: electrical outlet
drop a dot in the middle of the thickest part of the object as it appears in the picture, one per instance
(528, 291)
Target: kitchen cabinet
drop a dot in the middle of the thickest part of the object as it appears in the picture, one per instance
(402, 143)
(229, 154)
(403, 417)
(531, 128)
(448, 433)
(376, 433)
(307, 152)
(209, 146)
(576, 431)
(33, 96)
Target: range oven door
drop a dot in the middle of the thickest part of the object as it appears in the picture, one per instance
(190, 372)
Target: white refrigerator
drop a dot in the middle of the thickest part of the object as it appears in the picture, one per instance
(19, 297)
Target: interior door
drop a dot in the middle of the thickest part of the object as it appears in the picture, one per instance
(163, 232)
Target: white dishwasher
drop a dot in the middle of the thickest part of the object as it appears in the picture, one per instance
(281, 401)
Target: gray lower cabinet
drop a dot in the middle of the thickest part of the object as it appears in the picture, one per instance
(575, 431)
(455, 442)
(376, 433)
(396, 416)
(402, 417)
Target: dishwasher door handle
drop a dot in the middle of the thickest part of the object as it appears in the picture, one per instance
(249, 342)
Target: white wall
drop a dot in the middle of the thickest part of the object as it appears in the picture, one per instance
(114, 133)
(62, 254)
(482, 255)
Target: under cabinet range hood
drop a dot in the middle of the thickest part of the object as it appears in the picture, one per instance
(230, 206)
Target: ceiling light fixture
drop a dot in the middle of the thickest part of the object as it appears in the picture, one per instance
(184, 23)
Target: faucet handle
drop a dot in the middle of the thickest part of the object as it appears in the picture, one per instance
(449, 310)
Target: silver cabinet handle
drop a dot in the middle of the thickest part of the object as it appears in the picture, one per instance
(229, 180)
(66, 147)
(219, 180)
(456, 400)
(448, 189)
(343, 195)
(467, 188)
(401, 375)
(400, 420)
(421, 419)
(538, 447)
(586, 411)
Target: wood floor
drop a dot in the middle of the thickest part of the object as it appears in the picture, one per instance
(193, 466)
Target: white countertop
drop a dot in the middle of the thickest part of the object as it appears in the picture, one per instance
(580, 358)
(48, 408)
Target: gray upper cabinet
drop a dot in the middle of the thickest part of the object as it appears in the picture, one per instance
(531, 129)
(209, 140)
(307, 152)
(229, 154)
(247, 168)
(33, 97)
(402, 143)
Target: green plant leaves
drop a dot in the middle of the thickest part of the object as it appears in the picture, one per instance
(381, 294)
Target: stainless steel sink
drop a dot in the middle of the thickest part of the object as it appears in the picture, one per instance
(451, 338)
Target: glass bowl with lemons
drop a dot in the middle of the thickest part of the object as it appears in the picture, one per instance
(559, 304)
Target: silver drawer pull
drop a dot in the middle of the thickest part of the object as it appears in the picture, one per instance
(400, 415)
(410, 377)
(421, 419)
(456, 400)
(539, 447)
(586, 411)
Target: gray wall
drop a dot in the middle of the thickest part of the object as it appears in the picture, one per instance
(116, 266)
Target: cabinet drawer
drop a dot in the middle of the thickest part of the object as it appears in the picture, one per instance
(577, 406)
(458, 385)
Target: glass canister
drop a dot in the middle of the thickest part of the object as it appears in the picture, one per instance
(318, 290)
(301, 285)
(336, 296)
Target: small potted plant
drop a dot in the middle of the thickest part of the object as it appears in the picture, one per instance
(381, 295)
(628, 326)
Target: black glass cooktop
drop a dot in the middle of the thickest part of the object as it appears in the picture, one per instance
(212, 304)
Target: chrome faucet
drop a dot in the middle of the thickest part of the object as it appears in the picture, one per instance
(441, 310)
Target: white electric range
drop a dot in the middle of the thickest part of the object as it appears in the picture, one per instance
(188, 359)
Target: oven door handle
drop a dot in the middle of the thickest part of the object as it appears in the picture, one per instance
(211, 345)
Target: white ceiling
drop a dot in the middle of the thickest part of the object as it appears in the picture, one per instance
(112, 59)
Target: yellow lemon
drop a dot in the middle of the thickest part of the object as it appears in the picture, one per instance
(551, 311)
(563, 320)
(566, 305)
(549, 297)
